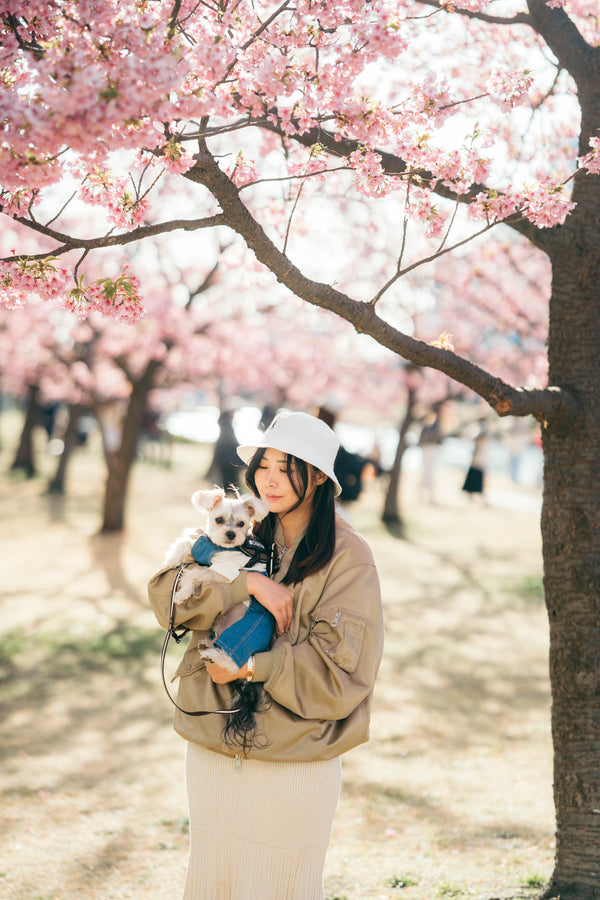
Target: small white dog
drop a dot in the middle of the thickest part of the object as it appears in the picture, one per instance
(220, 552)
(227, 546)
(229, 524)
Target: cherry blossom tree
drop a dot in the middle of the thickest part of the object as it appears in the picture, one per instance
(458, 118)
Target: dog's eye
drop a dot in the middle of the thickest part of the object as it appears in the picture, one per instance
(219, 520)
(241, 523)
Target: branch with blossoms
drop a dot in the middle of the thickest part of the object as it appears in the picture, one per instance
(22, 276)
(530, 211)
(505, 399)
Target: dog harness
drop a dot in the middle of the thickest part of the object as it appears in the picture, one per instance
(204, 549)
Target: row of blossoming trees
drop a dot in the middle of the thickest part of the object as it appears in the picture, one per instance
(201, 341)
(308, 129)
(207, 341)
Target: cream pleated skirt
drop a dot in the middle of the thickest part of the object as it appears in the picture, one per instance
(258, 830)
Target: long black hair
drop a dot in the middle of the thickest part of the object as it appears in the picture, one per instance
(313, 553)
(318, 543)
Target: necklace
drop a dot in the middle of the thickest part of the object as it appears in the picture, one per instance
(280, 551)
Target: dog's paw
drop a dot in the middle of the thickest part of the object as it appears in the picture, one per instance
(219, 658)
(189, 581)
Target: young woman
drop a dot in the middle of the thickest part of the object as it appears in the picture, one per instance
(261, 820)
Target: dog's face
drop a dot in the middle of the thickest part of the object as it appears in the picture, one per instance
(229, 518)
(228, 523)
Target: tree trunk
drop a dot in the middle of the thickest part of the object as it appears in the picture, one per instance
(392, 515)
(57, 484)
(571, 541)
(24, 457)
(121, 460)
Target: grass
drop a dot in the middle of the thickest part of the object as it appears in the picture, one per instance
(402, 881)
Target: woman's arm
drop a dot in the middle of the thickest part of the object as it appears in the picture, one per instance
(330, 673)
(278, 599)
(199, 611)
(275, 597)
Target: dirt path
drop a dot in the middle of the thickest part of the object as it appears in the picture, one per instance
(452, 796)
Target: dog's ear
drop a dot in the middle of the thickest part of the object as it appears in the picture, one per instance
(207, 499)
(257, 509)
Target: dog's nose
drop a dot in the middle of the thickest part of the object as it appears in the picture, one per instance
(230, 535)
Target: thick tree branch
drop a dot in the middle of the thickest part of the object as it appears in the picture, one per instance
(517, 19)
(505, 399)
(564, 39)
(69, 242)
(554, 25)
(173, 19)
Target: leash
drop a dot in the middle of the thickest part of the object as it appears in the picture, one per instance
(178, 633)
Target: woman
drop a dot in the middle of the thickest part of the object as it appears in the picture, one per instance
(260, 822)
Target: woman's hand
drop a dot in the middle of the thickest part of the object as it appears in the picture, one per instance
(224, 676)
(277, 598)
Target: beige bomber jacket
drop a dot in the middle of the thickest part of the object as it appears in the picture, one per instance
(319, 675)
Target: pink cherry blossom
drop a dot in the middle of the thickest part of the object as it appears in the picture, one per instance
(591, 161)
(121, 104)
(545, 203)
(117, 298)
(510, 89)
(242, 171)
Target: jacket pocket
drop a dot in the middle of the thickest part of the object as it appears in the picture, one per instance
(341, 633)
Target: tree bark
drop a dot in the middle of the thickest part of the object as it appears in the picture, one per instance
(571, 550)
(24, 460)
(57, 484)
(120, 462)
(392, 508)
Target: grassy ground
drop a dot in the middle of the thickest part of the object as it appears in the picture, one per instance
(452, 796)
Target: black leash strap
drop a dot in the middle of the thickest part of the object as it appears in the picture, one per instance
(178, 633)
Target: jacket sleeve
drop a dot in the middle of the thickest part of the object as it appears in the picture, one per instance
(199, 611)
(330, 673)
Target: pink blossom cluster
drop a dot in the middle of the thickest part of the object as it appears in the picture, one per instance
(292, 119)
(429, 100)
(115, 76)
(106, 71)
(510, 89)
(242, 171)
(420, 206)
(545, 204)
(103, 188)
(116, 298)
(176, 159)
(591, 161)
(23, 279)
(370, 177)
(17, 203)
(457, 169)
(263, 76)
(365, 120)
(494, 206)
(380, 35)
(315, 165)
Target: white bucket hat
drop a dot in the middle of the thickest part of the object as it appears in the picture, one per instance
(303, 436)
